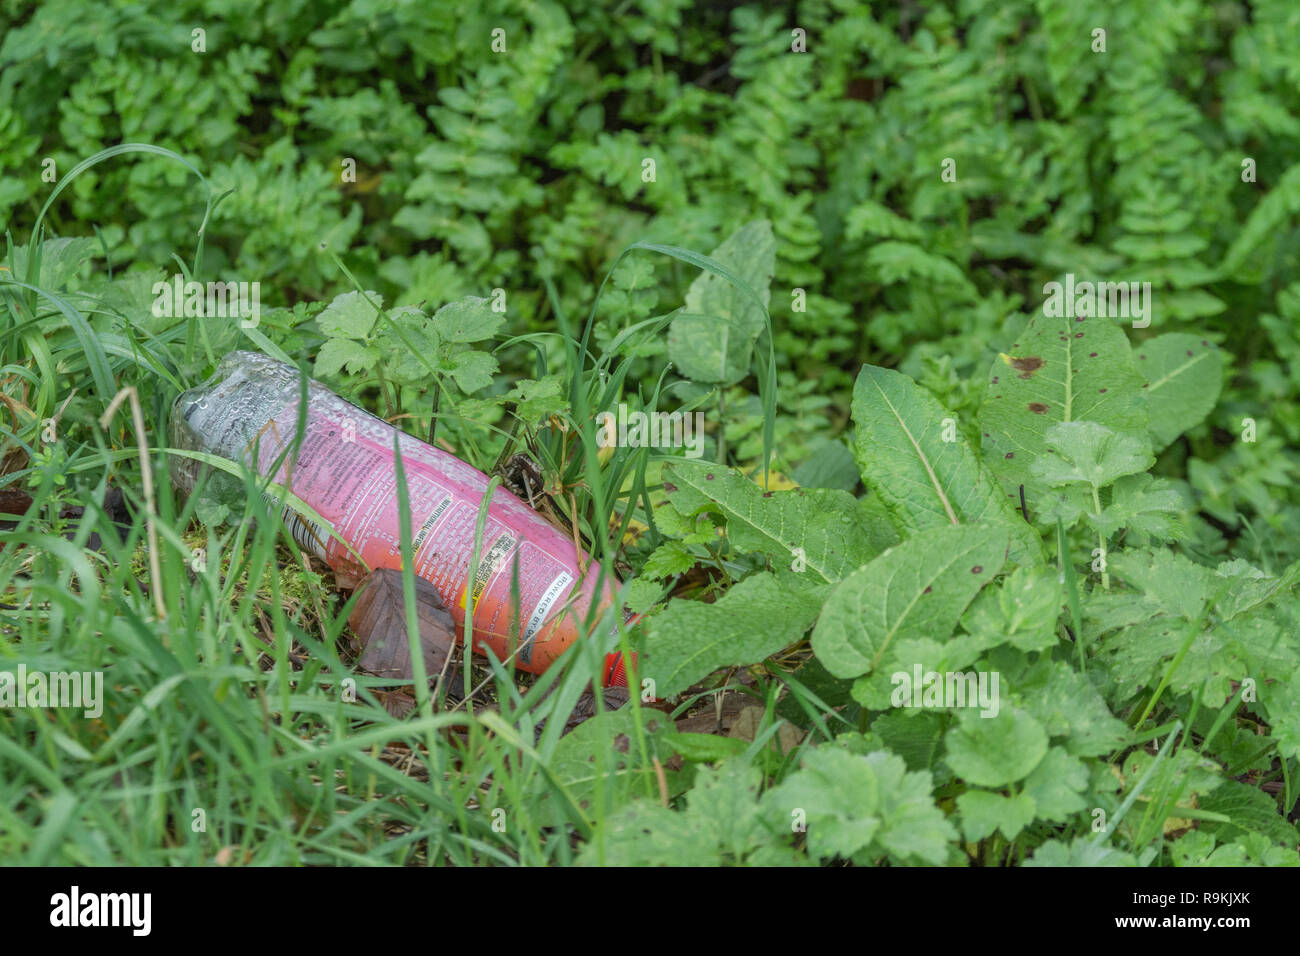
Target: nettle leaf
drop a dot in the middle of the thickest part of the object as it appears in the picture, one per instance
(837, 533)
(349, 315)
(1091, 454)
(925, 481)
(1184, 373)
(995, 751)
(470, 319)
(1059, 370)
(713, 340)
(917, 589)
(753, 620)
(863, 807)
(983, 812)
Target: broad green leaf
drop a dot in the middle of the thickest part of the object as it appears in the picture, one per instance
(1083, 851)
(349, 315)
(61, 259)
(573, 767)
(1243, 587)
(1022, 610)
(1067, 706)
(537, 400)
(472, 370)
(1091, 454)
(1177, 584)
(995, 751)
(646, 834)
(913, 735)
(669, 559)
(1251, 811)
(1144, 504)
(1059, 370)
(863, 807)
(917, 589)
(723, 824)
(1183, 374)
(836, 533)
(335, 354)
(983, 812)
(1057, 786)
(712, 341)
(470, 319)
(756, 618)
(925, 481)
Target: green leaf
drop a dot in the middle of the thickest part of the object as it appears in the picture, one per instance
(836, 532)
(917, 589)
(1177, 584)
(1022, 611)
(756, 618)
(574, 767)
(470, 319)
(1059, 370)
(646, 834)
(1081, 852)
(669, 559)
(61, 259)
(1057, 786)
(337, 353)
(471, 370)
(983, 812)
(1251, 811)
(995, 751)
(722, 824)
(925, 481)
(1283, 702)
(538, 400)
(1184, 373)
(713, 340)
(1067, 706)
(1091, 454)
(864, 807)
(349, 315)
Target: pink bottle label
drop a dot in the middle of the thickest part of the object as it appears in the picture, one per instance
(350, 479)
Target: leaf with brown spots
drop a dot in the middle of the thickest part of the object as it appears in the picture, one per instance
(924, 481)
(1066, 369)
(1184, 374)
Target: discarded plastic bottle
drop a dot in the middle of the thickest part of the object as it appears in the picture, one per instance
(345, 470)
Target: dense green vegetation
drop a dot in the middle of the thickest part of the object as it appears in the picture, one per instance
(830, 227)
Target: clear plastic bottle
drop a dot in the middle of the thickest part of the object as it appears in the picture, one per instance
(345, 470)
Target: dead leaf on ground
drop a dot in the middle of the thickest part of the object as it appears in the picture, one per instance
(379, 621)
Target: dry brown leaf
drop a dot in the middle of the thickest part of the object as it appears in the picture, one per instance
(379, 621)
